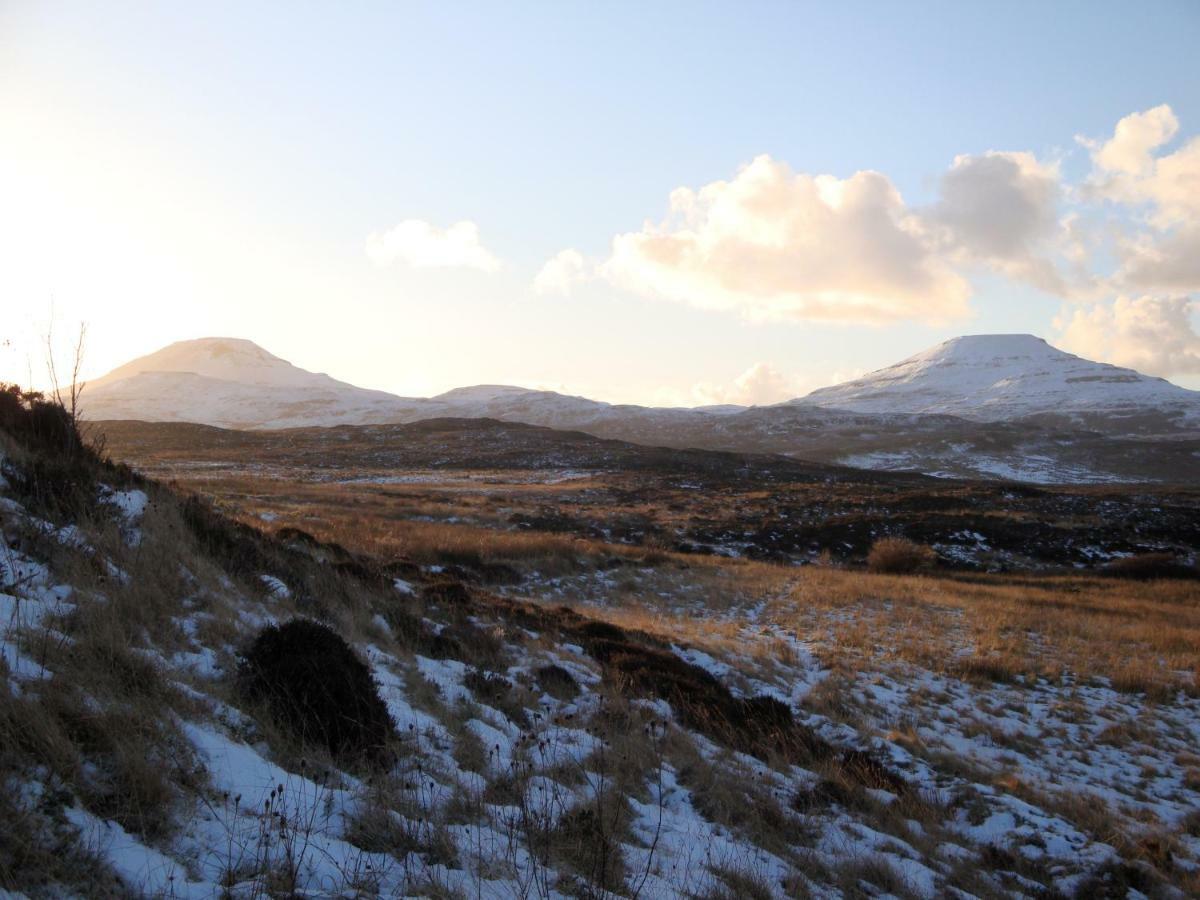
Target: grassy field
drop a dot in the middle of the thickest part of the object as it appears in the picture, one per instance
(590, 699)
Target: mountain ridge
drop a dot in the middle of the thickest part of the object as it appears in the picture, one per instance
(1001, 377)
(986, 406)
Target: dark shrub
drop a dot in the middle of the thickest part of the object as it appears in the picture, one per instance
(497, 692)
(596, 630)
(899, 556)
(314, 685)
(557, 682)
(861, 767)
(761, 726)
(448, 591)
(60, 479)
(1117, 879)
(482, 647)
(237, 545)
(1149, 566)
(487, 687)
(38, 423)
(588, 840)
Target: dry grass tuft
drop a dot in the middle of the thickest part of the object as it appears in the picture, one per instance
(899, 556)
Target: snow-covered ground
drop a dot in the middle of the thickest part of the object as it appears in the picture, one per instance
(996, 789)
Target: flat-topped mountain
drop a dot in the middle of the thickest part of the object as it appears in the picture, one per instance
(1002, 377)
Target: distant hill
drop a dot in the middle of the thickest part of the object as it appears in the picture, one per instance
(994, 406)
(1006, 377)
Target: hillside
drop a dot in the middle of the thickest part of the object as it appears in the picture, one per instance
(608, 720)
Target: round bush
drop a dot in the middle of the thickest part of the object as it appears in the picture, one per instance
(315, 686)
(899, 556)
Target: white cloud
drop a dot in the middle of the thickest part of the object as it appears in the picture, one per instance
(1126, 171)
(1165, 256)
(762, 384)
(759, 385)
(1001, 209)
(419, 244)
(774, 244)
(1128, 150)
(1154, 335)
(561, 273)
(1162, 262)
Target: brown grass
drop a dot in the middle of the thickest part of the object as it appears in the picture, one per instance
(1143, 636)
(899, 556)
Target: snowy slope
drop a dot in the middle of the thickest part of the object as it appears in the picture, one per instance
(227, 359)
(234, 384)
(1002, 377)
(981, 406)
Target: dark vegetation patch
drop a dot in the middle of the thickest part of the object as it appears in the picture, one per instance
(865, 768)
(695, 501)
(497, 692)
(447, 591)
(588, 839)
(313, 684)
(1150, 566)
(557, 682)
(1118, 879)
(760, 726)
(59, 478)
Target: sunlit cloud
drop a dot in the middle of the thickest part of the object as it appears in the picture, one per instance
(762, 385)
(772, 244)
(419, 244)
(1128, 170)
(561, 273)
(759, 385)
(1001, 209)
(1128, 151)
(1154, 335)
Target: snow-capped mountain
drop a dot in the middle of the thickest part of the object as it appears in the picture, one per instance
(1003, 377)
(226, 359)
(233, 383)
(983, 406)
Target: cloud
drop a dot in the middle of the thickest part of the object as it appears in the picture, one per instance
(1162, 262)
(1151, 334)
(773, 244)
(761, 385)
(1128, 150)
(1126, 171)
(424, 246)
(561, 273)
(1001, 209)
(1164, 255)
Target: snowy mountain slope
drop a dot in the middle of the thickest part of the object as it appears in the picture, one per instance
(227, 359)
(235, 384)
(1003, 377)
(983, 406)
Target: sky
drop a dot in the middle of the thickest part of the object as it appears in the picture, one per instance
(666, 203)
